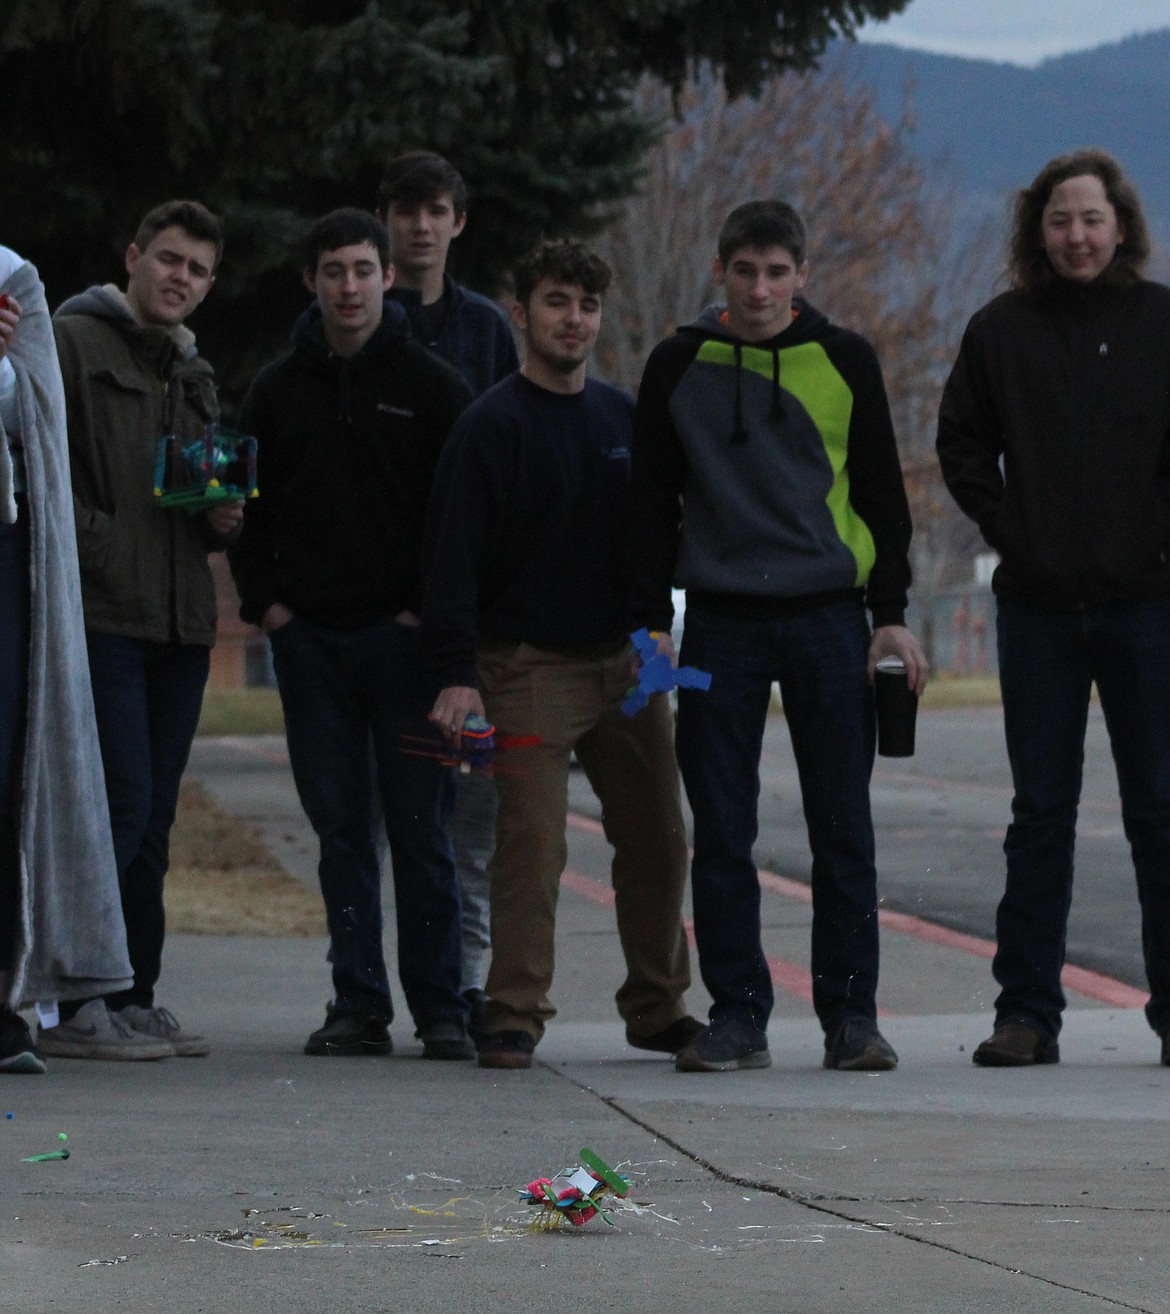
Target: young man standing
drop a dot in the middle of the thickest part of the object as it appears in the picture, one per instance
(525, 621)
(349, 426)
(132, 374)
(423, 202)
(766, 483)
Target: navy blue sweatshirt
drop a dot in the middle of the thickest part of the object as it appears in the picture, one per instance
(525, 537)
(475, 335)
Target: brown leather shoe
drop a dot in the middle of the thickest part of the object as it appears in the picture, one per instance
(506, 1049)
(1015, 1045)
(677, 1035)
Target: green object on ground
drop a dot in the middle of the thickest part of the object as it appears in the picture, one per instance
(615, 1181)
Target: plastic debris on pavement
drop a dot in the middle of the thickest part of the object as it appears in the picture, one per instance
(574, 1194)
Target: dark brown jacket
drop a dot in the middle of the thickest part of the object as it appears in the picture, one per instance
(144, 570)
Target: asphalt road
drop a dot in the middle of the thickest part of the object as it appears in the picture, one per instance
(940, 818)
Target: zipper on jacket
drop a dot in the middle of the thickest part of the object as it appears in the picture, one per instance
(1086, 330)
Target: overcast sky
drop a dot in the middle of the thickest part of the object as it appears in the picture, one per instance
(1018, 31)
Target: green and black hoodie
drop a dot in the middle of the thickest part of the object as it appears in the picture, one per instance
(765, 474)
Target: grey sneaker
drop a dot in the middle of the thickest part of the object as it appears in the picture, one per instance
(95, 1033)
(164, 1025)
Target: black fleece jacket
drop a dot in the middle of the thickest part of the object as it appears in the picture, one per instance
(1071, 389)
(347, 450)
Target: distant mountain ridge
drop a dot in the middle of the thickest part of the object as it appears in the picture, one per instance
(993, 125)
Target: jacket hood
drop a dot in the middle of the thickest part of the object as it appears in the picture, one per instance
(807, 324)
(109, 302)
(310, 345)
(409, 296)
(309, 333)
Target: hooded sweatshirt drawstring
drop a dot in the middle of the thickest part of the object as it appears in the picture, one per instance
(738, 432)
(310, 336)
(711, 326)
(344, 389)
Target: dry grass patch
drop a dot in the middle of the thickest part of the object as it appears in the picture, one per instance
(223, 881)
(951, 691)
(241, 712)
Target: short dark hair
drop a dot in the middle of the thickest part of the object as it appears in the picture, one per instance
(345, 227)
(194, 218)
(418, 177)
(1028, 265)
(761, 224)
(564, 262)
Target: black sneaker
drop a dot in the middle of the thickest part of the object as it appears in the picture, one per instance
(349, 1035)
(670, 1039)
(506, 1049)
(17, 1051)
(727, 1045)
(445, 1038)
(856, 1045)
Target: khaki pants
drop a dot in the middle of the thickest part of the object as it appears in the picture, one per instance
(572, 704)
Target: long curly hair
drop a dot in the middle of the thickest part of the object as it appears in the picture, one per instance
(1029, 268)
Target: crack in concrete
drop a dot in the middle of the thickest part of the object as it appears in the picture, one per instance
(822, 1205)
(1079, 1206)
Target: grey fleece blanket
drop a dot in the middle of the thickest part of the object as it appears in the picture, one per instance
(72, 941)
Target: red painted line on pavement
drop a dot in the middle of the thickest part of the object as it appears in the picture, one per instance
(1095, 803)
(786, 976)
(579, 883)
(1095, 985)
(1080, 980)
(577, 821)
(249, 748)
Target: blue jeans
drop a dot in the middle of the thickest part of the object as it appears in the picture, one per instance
(147, 698)
(14, 638)
(1047, 662)
(341, 691)
(818, 656)
(473, 833)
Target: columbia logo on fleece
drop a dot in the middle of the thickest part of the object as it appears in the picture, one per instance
(394, 410)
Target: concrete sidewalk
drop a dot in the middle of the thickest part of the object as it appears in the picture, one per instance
(261, 1179)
